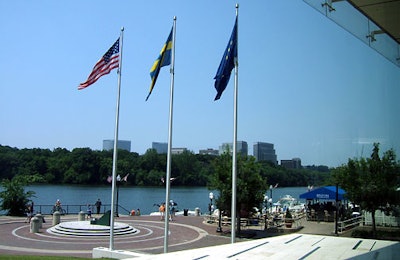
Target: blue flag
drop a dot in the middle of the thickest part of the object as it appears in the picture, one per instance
(227, 64)
(164, 59)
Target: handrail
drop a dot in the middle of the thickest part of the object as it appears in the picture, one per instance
(120, 207)
(349, 224)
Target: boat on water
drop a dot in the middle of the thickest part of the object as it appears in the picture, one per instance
(173, 206)
(287, 202)
(179, 213)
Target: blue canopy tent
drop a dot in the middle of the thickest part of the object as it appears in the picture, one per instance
(324, 193)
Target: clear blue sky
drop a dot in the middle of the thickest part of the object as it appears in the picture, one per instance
(305, 84)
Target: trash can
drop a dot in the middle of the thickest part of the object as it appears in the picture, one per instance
(34, 225)
(56, 218)
(197, 211)
(185, 212)
(81, 216)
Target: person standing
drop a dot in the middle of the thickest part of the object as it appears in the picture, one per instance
(172, 205)
(57, 205)
(162, 210)
(89, 211)
(98, 206)
(32, 209)
(29, 213)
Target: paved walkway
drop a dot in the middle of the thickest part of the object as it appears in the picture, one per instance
(186, 232)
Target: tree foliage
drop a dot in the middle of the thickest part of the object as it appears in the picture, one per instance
(371, 182)
(86, 166)
(251, 186)
(13, 196)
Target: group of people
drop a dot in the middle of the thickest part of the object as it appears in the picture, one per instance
(135, 213)
(172, 210)
(97, 204)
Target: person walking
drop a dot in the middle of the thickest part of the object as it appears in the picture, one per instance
(29, 213)
(98, 206)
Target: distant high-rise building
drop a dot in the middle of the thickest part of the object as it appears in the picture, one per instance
(264, 152)
(121, 144)
(160, 147)
(178, 150)
(240, 145)
(209, 151)
(295, 163)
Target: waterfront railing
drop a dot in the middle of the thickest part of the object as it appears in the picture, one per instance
(349, 224)
(76, 208)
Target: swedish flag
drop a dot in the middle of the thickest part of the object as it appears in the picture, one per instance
(227, 64)
(164, 59)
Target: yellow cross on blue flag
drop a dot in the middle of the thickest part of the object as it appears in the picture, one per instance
(227, 64)
(164, 59)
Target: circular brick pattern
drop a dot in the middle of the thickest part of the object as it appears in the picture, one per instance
(148, 238)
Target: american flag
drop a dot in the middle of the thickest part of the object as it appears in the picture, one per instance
(107, 63)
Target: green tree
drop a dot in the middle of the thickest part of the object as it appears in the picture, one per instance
(9, 162)
(251, 186)
(204, 168)
(151, 160)
(186, 168)
(371, 182)
(58, 163)
(13, 197)
(105, 166)
(86, 166)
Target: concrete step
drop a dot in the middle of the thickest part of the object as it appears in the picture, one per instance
(84, 228)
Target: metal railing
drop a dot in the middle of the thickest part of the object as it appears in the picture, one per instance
(381, 219)
(349, 224)
(76, 208)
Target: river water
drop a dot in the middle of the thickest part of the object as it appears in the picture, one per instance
(131, 197)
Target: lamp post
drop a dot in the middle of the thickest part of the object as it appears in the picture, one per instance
(266, 203)
(270, 202)
(211, 196)
(118, 181)
(219, 228)
(266, 212)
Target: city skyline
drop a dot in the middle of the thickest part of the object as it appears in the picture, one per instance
(305, 84)
(162, 147)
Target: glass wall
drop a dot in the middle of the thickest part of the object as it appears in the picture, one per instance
(345, 15)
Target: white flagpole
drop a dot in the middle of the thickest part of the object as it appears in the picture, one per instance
(115, 154)
(171, 104)
(234, 152)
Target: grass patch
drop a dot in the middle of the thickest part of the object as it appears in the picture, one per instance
(40, 257)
